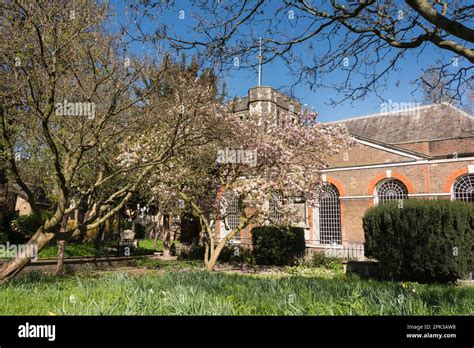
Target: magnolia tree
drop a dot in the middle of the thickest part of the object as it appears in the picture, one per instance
(246, 161)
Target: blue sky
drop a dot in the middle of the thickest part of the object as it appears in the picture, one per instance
(275, 74)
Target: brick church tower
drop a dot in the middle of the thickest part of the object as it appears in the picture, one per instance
(268, 102)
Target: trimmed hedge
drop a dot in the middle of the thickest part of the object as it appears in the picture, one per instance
(425, 240)
(278, 246)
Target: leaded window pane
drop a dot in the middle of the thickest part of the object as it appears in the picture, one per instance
(391, 190)
(232, 213)
(274, 205)
(329, 216)
(463, 188)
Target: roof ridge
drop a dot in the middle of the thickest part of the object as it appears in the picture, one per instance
(458, 109)
(421, 107)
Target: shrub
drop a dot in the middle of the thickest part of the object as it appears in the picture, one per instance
(5, 227)
(173, 249)
(19, 228)
(139, 231)
(193, 252)
(278, 246)
(126, 224)
(227, 253)
(425, 241)
(29, 224)
(323, 261)
(196, 252)
(3, 237)
(235, 254)
(244, 256)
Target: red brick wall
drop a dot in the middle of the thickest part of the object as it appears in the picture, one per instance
(421, 147)
(419, 179)
(361, 154)
(424, 178)
(441, 147)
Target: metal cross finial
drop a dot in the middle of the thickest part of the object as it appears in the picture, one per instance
(260, 58)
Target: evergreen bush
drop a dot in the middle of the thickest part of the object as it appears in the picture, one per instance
(278, 246)
(424, 240)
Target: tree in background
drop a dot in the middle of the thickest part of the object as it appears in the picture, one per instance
(194, 105)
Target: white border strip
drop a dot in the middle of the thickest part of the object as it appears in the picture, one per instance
(356, 197)
(409, 195)
(429, 194)
(401, 164)
(387, 149)
(324, 246)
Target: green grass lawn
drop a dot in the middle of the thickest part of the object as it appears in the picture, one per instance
(145, 246)
(72, 250)
(174, 289)
(148, 244)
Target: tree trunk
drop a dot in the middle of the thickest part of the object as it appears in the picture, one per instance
(113, 227)
(3, 192)
(206, 253)
(61, 247)
(155, 236)
(13, 266)
(99, 236)
(166, 236)
(214, 254)
(157, 230)
(81, 215)
(120, 216)
(60, 264)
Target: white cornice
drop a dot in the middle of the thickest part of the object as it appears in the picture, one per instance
(399, 164)
(432, 194)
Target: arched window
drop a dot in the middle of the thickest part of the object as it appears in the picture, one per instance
(231, 214)
(328, 230)
(274, 206)
(390, 190)
(463, 188)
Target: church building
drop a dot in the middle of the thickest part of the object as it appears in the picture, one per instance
(425, 152)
